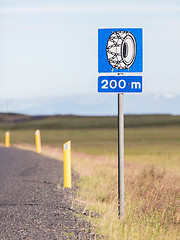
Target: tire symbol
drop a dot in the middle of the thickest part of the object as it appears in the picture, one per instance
(121, 49)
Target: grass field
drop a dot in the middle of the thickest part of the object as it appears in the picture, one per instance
(152, 168)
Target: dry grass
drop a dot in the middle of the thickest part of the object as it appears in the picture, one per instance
(151, 200)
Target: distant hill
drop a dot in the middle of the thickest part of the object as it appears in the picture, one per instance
(15, 118)
(19, 121)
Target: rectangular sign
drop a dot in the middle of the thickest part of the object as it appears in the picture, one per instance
(120, 50)
(120, 84)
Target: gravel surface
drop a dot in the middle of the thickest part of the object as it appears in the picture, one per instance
(33, 203)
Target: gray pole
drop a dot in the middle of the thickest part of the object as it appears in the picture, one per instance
(120, 156)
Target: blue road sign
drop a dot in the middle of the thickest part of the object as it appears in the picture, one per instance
(120, 84)
(120, 50)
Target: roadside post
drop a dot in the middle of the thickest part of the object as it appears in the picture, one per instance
(38, 141)
(120, 68)
(67, 164)
(7, 139)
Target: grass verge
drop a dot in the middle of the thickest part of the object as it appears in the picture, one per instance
(152, 196)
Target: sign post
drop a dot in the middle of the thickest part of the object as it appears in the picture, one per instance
(120, 155)
(120, 54)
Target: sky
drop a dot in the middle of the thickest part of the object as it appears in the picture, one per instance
(48, 56)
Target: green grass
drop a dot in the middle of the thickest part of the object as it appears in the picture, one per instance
(140, 143)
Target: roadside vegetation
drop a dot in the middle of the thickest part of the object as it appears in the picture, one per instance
(152, 168)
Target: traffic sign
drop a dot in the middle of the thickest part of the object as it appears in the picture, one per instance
(120, 84)
(120, 50)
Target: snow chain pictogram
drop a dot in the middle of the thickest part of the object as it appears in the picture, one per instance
(121, 49)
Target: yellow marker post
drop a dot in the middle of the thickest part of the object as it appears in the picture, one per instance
(7, 139)
(67, 164)
(38, 141)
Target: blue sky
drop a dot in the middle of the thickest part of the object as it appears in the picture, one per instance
(48, 55)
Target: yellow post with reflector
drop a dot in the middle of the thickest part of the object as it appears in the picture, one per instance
(7, 139)
(38, 141)
(67, 164)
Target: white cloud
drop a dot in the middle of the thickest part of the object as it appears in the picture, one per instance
(157, 96)
(169, 95)
(90, 8)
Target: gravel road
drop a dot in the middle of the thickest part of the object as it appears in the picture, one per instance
(33, 203)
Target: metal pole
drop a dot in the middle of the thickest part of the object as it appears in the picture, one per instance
(120, 156)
